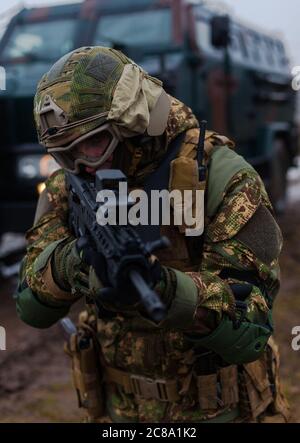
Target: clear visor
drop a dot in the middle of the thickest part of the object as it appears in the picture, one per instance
(91, 150)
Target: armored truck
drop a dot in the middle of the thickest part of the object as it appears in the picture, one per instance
(233, 76)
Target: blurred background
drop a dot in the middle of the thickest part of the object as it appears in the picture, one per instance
(230, 61)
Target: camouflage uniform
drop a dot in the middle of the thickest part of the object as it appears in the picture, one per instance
(131, 343)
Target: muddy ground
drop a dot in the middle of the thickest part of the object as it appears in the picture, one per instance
(35, 381)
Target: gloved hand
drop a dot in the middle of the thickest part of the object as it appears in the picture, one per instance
(125, 298)
(70, 271)
(78, 269)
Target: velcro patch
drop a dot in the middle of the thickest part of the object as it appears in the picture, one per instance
(262, 236)
(101, 67)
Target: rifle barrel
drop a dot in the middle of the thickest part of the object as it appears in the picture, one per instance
(149, 298)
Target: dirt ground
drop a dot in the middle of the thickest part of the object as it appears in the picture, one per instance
(287, 308)
(35, 381)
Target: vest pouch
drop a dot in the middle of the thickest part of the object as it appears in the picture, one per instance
(219, 389)
(279, 408)
(87, 378)
(255, 389)
(207, 386)
(229, 385)
(184, 176)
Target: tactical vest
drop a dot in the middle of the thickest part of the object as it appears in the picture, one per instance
(222, 163)
(153, 374)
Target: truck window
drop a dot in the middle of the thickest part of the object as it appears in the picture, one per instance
(243, 44)
(40, 40)
(152, 27)
(234, 43)
(256, 47)
(203, 34)
(268, 49)
(283, 59)
(236, 48)
(253, 47)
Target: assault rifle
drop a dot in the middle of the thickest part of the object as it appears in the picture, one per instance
(125, 255)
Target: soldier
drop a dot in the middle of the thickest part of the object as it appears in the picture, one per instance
(212, 359)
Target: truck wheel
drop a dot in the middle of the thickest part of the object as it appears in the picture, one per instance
(278, 176)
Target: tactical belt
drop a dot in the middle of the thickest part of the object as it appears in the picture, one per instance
(163, 390)
(168, 391)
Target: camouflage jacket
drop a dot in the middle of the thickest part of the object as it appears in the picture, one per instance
(136, 347)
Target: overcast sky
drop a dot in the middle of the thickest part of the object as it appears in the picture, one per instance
(279, 16)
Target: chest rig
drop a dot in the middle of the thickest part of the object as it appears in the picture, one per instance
(187, 168)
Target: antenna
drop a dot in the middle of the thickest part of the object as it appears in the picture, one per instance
(200, 151)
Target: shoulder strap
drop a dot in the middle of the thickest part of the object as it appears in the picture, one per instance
(159, 180)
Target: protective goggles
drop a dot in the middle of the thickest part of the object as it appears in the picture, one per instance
(69, 158)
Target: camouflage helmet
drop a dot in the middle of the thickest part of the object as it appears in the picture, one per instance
(95, 89)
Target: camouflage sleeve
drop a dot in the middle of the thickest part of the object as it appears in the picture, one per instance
(51, 227)
(243, 236)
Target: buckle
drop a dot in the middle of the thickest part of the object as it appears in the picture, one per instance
(149, 388)
(241, 308)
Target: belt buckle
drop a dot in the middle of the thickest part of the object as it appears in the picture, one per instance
(148, 388)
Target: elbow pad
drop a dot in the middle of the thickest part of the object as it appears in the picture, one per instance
(35, 313)
(237, 346)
